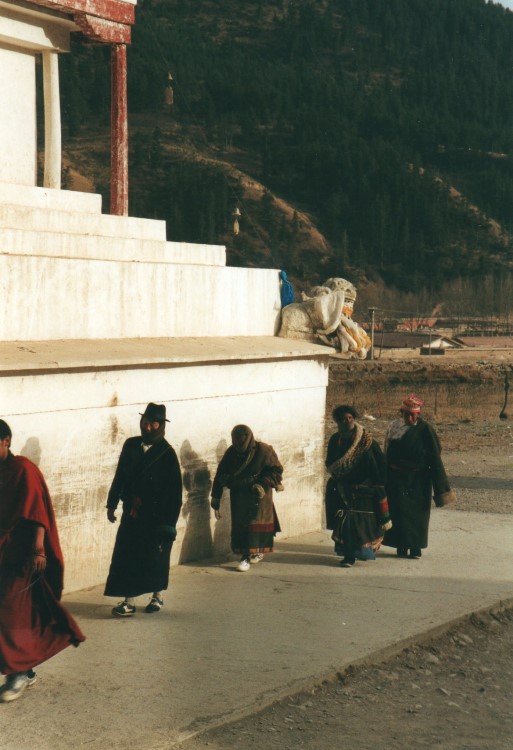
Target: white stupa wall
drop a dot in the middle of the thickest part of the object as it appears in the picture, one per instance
(18, 117)
(86, 299)
(73, 424)
(102, 315)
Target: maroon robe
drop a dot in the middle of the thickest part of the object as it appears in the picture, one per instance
(33, 624)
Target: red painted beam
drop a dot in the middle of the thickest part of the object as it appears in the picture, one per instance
(110, 10)
(119, 132)
(100, 30)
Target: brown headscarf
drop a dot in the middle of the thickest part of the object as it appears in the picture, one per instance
(242, 439)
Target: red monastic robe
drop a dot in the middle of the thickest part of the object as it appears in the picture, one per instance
(33, 624)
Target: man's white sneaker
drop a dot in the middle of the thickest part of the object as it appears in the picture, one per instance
(244, 565)
(14, 686)
(254, 559)
(124, 609)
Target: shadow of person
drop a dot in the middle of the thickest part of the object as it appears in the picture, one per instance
(222, 531)
(88, 610)
(32, 450)
(197, 541)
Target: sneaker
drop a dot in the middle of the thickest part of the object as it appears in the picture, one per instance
(415, 554)
(14, 686)
(402, 552)
(347, 562)
(254, 559)
(124, 609)
(244, 565)
(32, 677)
(155, 605)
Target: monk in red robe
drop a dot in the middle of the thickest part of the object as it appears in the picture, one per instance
(33, 624)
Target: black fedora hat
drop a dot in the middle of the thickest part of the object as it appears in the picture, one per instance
(155, 413)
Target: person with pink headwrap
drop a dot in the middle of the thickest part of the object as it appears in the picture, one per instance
(415, 475)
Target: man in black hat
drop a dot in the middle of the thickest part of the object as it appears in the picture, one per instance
(149, 483)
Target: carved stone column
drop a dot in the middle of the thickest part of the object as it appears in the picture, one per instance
(52, 109)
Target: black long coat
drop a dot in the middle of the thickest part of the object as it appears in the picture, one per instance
(150, 487)
(415, 473)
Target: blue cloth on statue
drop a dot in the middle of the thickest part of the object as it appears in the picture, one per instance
(286, 290)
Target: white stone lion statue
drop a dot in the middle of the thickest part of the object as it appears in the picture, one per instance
(325, 315)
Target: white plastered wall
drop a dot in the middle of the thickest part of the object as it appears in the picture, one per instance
(73, 426)
(17, 116)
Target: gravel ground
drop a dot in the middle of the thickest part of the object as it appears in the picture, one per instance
(452, 693)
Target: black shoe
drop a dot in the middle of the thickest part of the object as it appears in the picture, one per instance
(415, 554)
(124, 609)
(155, 605)
(402, 552)
(347, 562)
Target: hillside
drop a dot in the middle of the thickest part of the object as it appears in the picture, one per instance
(365, 138)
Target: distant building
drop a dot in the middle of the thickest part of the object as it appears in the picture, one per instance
(485, 342)
(423, 340)
(413, 324)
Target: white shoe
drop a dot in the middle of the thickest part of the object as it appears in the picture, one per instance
(14, 686)
(244, 565)
(254, 559)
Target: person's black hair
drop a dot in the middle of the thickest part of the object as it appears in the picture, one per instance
(339, 411)
(5, 430)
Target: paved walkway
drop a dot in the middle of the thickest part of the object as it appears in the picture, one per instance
(227, 643)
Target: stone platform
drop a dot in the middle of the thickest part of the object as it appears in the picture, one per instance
(105, 315)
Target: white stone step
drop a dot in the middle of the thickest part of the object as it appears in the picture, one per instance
(93, 247)
(61, 200)
(195, 254)
(71, 298)
(78, 222)
(101, 247)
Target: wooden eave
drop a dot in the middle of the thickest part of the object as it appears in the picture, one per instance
(107, 21)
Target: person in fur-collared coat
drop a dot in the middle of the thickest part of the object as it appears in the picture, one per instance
(356, 502)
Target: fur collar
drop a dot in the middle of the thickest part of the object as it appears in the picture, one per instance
(361, 444)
